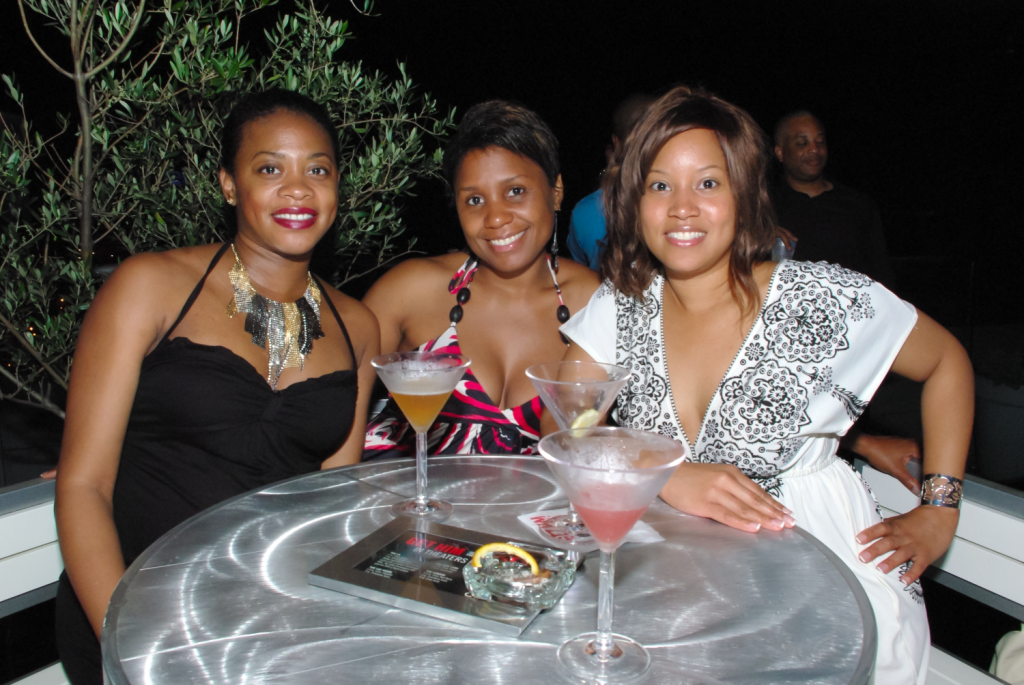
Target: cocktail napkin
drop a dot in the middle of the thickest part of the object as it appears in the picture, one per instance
(538, 522)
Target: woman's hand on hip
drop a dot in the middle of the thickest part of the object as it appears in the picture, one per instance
(721, 492)
(920, 536)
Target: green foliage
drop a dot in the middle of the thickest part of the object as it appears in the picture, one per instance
(42, 296)
(153, 120)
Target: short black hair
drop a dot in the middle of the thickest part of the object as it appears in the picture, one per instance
(795, 114)
(508, 125)
(260, 104)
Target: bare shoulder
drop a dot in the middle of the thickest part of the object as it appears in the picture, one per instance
(763, 273)
(413, 281)
(145, 293)
(414, 272)
(578, 284)
(151, 279)
(359, 320)
(164, 270)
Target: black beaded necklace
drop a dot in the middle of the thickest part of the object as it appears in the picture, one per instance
(464, 276)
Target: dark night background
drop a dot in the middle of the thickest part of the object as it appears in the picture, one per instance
(921, 102)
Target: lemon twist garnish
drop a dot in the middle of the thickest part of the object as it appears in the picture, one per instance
(493, 547)
(586, 419)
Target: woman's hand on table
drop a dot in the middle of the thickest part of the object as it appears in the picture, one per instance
(721, 492)
(920, 536)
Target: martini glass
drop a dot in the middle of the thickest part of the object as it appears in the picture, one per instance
(612, 475)
(421, 382)
(578, 395)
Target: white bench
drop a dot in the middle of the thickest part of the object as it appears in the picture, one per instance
(30, 561)
(985, 560)
(51, 675)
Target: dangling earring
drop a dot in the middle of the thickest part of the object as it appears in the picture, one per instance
(554, 243)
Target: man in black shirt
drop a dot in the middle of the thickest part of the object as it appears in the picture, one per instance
(837, 224)
(831, 221)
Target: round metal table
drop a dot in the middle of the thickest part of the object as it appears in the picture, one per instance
(224, 598)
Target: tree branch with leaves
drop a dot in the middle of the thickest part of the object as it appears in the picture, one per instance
(143, 172)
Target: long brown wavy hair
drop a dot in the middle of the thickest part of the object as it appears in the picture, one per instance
(627, 262)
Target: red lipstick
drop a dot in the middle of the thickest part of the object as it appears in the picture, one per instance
(296, 218)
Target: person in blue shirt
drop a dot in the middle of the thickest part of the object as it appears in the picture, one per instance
(587, 227)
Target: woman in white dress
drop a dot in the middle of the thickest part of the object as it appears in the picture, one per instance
(761, 368)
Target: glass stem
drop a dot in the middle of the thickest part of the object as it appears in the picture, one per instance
(574, 516)
(603, 643)
(421, 470)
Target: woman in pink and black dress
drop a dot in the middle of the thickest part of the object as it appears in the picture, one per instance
(499, 302)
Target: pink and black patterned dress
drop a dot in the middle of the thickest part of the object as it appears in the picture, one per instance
(469, 423)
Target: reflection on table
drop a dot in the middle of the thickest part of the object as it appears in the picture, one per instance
(224, 597)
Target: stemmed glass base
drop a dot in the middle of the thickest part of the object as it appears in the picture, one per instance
(421, 506)
(569, 524)
(569, 528)
(430, 509)
(582, 661)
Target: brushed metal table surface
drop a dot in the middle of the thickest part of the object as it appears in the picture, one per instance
(223, 597)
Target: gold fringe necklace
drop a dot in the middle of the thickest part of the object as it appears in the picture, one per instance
(285, 329)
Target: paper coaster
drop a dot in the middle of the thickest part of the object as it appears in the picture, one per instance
(539, 522)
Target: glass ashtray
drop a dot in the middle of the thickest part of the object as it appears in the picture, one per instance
(508, 579)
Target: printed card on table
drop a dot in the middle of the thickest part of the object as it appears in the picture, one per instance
(541, 523)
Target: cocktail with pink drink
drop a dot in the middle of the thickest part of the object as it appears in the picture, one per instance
(578, 395)
(612, 475)
(610, 527)
(421, 383)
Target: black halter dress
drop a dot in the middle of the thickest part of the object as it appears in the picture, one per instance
(205, 426)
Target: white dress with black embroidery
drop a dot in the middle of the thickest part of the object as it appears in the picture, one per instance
(822, 343)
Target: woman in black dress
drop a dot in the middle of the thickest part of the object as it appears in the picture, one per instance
(201, 373)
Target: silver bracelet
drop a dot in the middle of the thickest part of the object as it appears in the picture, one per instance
(942, 491)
